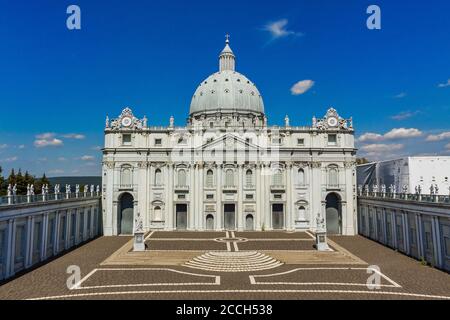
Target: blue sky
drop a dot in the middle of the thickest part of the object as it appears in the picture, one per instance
(57, 85)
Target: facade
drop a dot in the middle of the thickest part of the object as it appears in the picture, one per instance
(420, 229)
(432, 174)
(227, 169)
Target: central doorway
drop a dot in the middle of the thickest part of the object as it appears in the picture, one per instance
(333, 213)
(181, 216)
(126, 212)
(229, 212)
(277, 216)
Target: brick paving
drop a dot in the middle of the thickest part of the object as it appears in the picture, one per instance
(328, 279)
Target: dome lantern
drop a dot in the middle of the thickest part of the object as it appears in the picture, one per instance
(227, 60)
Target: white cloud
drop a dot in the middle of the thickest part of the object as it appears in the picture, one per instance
(96, 148)
(22, 146)
(439, 137)
(62, 159)
(447, 147)
(278, 29)
(380, 147)
(11, 159)
(301, 87)
(76, 136)
(87, 158)
(45, 136)
(402, 133)
(42, 159)
(55, 171)
(443, 85)
(42, 143)
(404, 115)
(3, 146)
(397, 133)
(400, 95)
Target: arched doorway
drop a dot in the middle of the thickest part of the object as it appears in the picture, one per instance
(209, 222)
(249, 222)
(126, 214)
(333, 213)
(277, 216)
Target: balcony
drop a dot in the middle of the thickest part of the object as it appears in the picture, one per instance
(229, 189)
(181, 188)
(124, 187)
(277, 187)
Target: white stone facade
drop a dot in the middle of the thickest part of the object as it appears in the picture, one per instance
(227, 168)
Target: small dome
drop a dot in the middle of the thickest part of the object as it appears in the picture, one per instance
(226, 90)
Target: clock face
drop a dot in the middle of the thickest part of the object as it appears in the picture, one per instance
(126, 121)
(332, 122)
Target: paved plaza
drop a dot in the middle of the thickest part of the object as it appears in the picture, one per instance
(231, 265)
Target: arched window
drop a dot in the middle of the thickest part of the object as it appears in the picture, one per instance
(158, 215)
(158, 177)
(333, 176)
(182, 178)
(229, 178)
(301, 177)
(125, 176)
(209, 179)
(301, 213)
(249, 178)
(278, 178)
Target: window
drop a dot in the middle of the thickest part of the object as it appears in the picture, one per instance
(209, 179)
(446, 179)
(158, 177)
(126, 139)
(181, 196)
(249, 178)
(248, 140)
(158, 142)
(211, 124)
(301, 213)
(210, 196)
(181, 178)
(421, 179)
(301, 177)
(125, 176)
(433, 179)
(249, 196)
(276, 141)
(209, 140)
(333, 177)
(158, 215)
(277, 196)
(301, 142)
(332, 139)
(229, 178)
(278, 178)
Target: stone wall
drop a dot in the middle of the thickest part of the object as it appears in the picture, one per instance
(418, 229)
(31, 233)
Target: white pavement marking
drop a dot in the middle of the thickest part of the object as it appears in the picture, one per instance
(78, 285)
(253, 281)
(228, 247)
(235, 246)
(381, 293)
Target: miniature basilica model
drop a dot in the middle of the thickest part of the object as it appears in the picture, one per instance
(227, 169)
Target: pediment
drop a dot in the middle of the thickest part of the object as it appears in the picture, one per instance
(228, 142)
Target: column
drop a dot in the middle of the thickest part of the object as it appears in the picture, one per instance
(240, 208)
(258, 197)
(10, 250)
(200, 216)
(29, 239)
(169, 214)
(219, 217)
(266, 198)
(44, 236)
(289, 206)
(135, 213)
(109, 207)
(192, 202)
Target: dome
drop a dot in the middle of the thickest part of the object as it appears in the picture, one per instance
(227, 90)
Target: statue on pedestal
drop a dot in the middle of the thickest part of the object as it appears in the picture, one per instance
(9, 190)
(77, 188)
(14, 190)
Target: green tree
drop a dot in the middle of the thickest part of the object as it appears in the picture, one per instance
(40, 182)
(12, 178)
(2, 183)
(21, 185)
